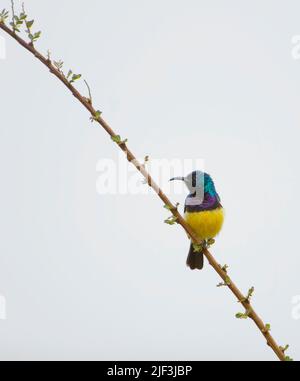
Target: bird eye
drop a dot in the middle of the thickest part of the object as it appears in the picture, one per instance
(194, 179)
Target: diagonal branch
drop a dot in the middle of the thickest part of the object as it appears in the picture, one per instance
(96, 116)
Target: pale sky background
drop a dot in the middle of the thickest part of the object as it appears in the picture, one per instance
(101, 277)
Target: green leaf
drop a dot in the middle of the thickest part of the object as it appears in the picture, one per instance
(69, 74)
(168, 207)
(29, 23)
(4, 15)
(172, 220)
(169, 222)
(240, 315)
(284, 349)
(37, 35)
(75, 77)
(267, 328)
(249, 296)
(117, 139)
(250, 292)
(225, 268)
(96, 116)
(228, 281)
(287, 358)
(58, 64)
(23, 16)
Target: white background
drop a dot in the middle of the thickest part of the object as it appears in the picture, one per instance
(102, 277)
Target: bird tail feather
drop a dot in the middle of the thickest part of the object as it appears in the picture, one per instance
(195, 259)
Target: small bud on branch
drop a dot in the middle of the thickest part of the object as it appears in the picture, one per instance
(248, 297)
(245, 315)
(226, 282)
(172, 220)
(267, 328)
(4, 16)
(117, 139)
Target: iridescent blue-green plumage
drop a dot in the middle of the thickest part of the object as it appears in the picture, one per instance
(209, 186)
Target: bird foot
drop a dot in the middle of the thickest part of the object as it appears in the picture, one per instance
(209, 242)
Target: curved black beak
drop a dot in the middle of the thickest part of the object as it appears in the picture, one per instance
(177, 178)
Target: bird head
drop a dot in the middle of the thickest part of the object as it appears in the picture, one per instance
(195, 181)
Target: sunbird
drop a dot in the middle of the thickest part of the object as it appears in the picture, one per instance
(203, 212)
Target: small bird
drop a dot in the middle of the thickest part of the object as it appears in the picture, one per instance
(203, 213)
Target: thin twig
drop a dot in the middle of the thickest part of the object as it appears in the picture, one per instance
(26, 27)
(90, 93)
(148, 179)
(13, 15)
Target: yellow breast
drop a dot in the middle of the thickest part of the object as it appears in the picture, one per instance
(206, 224)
